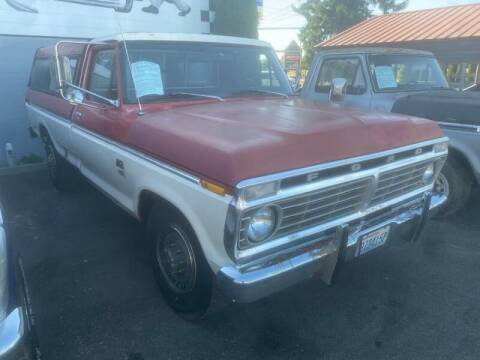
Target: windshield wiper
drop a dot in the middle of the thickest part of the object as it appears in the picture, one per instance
(262, 92)
(196, 95)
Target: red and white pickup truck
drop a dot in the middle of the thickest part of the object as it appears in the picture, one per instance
(242, 185)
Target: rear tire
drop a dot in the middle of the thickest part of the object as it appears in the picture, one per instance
(456, 181)
(179, 265)
(62, 174)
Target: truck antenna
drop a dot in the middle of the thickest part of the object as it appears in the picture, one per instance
(140, 108)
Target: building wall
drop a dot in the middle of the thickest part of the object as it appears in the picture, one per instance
(15, 63)
(39, 23)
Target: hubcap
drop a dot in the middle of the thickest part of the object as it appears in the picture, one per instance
(441, 186)
(176, 260)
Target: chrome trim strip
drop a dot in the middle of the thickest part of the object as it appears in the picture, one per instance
(455, 126)
(325, 166)
(169, 168)
(12, 329)
(369, 173)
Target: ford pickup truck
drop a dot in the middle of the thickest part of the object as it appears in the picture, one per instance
(407, 82)
(243, 187)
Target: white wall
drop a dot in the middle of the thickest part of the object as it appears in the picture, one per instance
(21, 33)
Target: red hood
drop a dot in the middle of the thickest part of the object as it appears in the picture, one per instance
(245, 138)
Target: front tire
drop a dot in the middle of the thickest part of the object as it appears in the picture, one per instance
(180, 267)
(455, 181)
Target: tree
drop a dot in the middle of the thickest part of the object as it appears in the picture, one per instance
(236, 18)
(326, 18)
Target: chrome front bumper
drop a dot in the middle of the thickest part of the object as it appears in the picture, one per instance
(320, 254)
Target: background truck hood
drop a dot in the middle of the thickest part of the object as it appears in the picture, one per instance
(444, 105)
(244, 138)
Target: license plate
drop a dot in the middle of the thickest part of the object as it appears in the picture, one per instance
(374, 239)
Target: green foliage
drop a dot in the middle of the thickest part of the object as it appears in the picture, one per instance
(236, 18)
(30, 159)
(326, 18)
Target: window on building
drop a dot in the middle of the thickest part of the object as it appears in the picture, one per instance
(103, 80)
(349, 69)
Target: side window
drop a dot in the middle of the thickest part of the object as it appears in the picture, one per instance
(44, 76)
(258, 72)
(103, 80)
(349, 69)
(269, 77)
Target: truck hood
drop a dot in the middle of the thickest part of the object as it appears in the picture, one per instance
(443, 105)
(245, 138)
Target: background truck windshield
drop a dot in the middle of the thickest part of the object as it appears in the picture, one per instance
(162, 70)
(405, 73)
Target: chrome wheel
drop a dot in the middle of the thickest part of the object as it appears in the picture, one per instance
(176, 260)
(441, 186)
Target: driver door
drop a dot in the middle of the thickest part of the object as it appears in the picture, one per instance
(95, 121)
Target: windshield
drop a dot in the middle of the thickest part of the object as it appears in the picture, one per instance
(405, 73)
(165, 71)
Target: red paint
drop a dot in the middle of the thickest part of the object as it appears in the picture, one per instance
(245, 138)
(50, 102)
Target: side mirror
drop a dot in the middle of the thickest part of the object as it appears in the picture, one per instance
(75, 96)
(338, 90)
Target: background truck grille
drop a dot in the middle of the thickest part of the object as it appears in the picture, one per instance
(398, 182)
(322, 206)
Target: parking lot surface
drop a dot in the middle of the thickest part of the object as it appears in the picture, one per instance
(94, 295)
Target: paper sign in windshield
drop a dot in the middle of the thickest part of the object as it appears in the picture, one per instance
(385, 77)
(147, 77)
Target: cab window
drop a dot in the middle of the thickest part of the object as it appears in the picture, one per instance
(103, 80)
(44, 76)
(346, 68)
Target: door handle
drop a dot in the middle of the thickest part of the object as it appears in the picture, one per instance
(78, 115)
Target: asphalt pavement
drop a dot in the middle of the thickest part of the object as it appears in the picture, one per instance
(94, 295)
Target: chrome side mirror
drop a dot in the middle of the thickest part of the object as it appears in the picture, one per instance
(75, 96)
(338, 90)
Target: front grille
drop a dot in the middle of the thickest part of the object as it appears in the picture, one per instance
(400, 181)
(322, 206)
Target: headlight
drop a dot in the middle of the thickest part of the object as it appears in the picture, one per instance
(429, 174)
(442, 147)
(262, 224)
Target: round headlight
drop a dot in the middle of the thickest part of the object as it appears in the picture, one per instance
(262, 224)
(429, 174)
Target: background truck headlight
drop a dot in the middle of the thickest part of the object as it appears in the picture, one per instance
(262, 224)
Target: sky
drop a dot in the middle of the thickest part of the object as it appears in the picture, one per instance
(279, 14)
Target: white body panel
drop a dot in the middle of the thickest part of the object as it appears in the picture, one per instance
(97, 156)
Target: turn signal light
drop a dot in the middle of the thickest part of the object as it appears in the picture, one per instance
(213, 187)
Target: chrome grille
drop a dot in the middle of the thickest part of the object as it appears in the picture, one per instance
(398, 182)
(321, 206)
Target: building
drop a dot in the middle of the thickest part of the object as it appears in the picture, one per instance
(451, 33)
(26, 25)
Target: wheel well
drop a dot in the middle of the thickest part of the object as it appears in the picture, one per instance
(148, 199)
(462, 160)
(43, 133)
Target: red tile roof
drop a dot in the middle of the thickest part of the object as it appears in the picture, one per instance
(453, 22)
